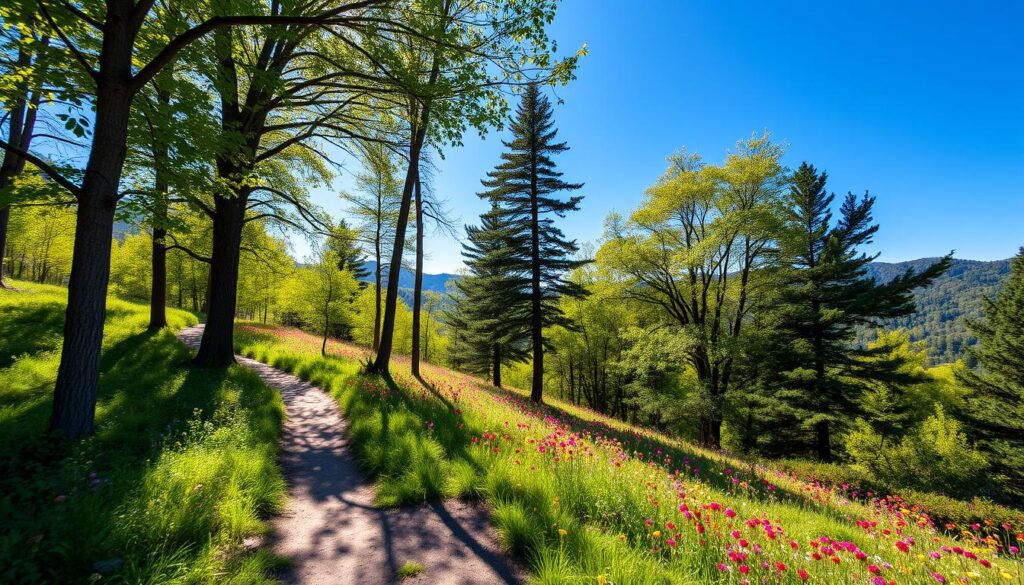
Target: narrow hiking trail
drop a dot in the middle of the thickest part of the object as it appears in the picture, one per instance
(330, 528)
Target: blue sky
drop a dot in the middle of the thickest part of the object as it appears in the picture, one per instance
(920, 103)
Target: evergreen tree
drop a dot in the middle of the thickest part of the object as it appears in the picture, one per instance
(827, 295)
(522, 188)
(491, 309)
(344, 244)
(995, 407)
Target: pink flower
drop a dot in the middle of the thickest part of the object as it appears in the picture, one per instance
(729, 513)
(744, 569)
(938, 577)
(804, 575)
(873, 569)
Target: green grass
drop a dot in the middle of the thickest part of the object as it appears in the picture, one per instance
(409, 569)
(181, 469)
(585, 499)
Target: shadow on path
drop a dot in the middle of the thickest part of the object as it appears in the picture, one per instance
(330, 528)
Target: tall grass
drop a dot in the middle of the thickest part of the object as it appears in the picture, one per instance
(589, 500)
(181, 470)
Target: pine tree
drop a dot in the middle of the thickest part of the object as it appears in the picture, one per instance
(827, 295)
(344, 243)
(491, 307)
(522, 188)
(995, 407)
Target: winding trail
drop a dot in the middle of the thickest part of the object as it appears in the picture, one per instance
(330, 528)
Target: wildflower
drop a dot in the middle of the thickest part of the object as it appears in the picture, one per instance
(562, 532)
(60, 498)
(780, 566)
(723, 567)
(938, 577)
(804, 575)
(656, 534)
(873, 569)
(1006, 576)
(744, 569)
(902, 546)
(935, 554)
(877, 581)
(729, 513)
(671, 542)
(985, 563)
(602, 580)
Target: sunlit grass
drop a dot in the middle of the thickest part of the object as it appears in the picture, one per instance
(586, 499)
(181, 470)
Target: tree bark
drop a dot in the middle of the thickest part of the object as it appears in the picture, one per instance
(417, 290)
(74, 397)
(5, 217)
(158, 284)
(496, 378)
(382, 362)
(536, 319)
(217, 346)
(823, 441)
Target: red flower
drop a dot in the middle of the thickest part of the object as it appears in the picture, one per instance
(902, 546)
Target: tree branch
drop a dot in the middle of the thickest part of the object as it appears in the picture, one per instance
(43, 166)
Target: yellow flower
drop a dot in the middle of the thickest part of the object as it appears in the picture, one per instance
(562, 532)
(656, 534)
(1006, 575)
(602, 580)
(920, 557)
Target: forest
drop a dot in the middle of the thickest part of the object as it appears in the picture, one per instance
(725, 387)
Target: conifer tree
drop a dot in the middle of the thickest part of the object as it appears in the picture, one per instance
(995, 407)
(344, 244)
(827, 295)
(522, 188)
(491, 307)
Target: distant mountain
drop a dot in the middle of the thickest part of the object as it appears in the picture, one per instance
(945, 307)
(406, 280)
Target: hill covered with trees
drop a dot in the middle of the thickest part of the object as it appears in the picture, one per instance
(945, 308)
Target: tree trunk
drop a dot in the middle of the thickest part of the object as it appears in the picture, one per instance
(5, 217)
(217, 346)
(158, 286)
(417, 290)
(158, 292)
(377, 306)
(323, 344)
(823, 441)
(382, 362)
(496, 378)
(536, 319)
(74, 396)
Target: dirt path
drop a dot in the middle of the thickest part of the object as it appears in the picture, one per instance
(330, 527)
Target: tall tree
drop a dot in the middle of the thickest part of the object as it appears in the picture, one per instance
(476, 51)
(491, 311)
(995, 406)
(697, 249)
(826, 296)
(115, 54)
(523, 189)
(21, 102)
(375, 204)
(343, 243)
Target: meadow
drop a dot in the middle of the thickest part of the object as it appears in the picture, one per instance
(180, 473)
(587, 499)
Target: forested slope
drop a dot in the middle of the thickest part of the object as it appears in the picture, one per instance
(945, 308)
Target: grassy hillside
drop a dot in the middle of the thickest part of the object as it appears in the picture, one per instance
(181, 470)
(587, 499)
(945, 307)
